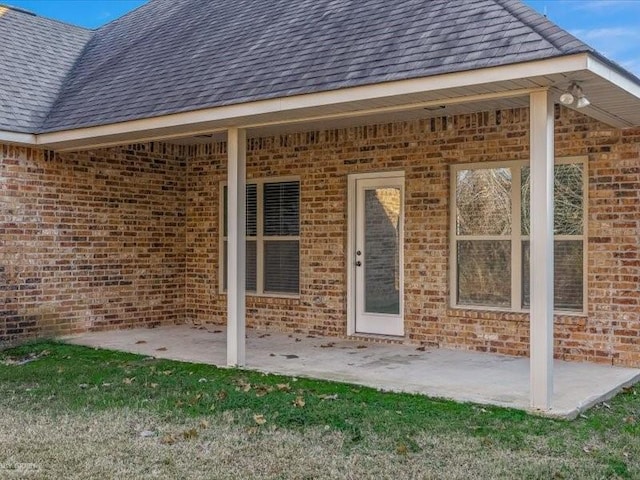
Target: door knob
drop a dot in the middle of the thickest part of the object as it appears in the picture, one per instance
(358, 263)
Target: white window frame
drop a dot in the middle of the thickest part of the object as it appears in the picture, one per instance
(260, 238)
(516, 236)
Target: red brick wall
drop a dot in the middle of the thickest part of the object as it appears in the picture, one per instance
(130, 236)
(90, 240)
(424, 150)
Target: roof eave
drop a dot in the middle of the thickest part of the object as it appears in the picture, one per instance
(400, 94)
(18, 138)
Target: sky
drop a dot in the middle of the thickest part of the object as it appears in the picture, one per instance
(612, 27)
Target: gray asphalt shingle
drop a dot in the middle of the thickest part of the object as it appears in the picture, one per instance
(36, 54)
(172, 56)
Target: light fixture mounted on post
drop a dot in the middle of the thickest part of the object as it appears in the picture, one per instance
(574, 94)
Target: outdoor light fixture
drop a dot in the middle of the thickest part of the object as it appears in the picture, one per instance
(571, 94)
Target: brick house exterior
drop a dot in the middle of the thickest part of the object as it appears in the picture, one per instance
(205, 162)
(128, 236)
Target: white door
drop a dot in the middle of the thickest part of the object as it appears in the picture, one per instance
(377, 254)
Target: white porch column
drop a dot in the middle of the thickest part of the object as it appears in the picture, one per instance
(541, 280)
(236, 252)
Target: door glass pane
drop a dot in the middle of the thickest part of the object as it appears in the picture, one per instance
(382, 250)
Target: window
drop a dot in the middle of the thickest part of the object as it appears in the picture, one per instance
(273, 237)
(490, 235)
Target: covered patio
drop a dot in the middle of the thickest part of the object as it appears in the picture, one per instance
(250, 210)
(459, 375)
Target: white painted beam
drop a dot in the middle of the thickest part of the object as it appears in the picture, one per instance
(17, 138)
(236, 250)
(541, 280)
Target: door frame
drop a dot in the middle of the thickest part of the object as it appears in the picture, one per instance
(352, 180)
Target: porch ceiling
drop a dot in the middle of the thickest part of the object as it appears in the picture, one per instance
(615, 100)
(459, 375)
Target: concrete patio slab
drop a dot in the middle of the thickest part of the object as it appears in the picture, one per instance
(454, 374)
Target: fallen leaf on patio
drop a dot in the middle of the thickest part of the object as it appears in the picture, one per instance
(421, 349)
(140, 342)
(204, 424)
(217, 331)
(333, 396)
(272, 354)
(189, 434)
(161, 349)
(401, 449)
(361, 346)
(298, 340)
(283, 387)
(299, 402)
(327, 345)
(289, 356)
(264, 335)
(168, 440)
(259, 419)
(310, 336)
(128, 381)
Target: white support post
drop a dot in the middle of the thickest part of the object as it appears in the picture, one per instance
(541, 280)
(236, 250)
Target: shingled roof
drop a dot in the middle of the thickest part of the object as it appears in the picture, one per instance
(173, 56)
(36, 54)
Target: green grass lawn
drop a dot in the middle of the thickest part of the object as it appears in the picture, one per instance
(230, 423)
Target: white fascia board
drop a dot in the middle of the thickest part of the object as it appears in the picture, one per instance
(240, 115)
(26, 139)
(613, 75)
